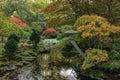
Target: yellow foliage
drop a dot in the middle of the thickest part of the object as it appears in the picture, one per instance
(97, 27)
(93, 57)
(55, 56)
(89, 19)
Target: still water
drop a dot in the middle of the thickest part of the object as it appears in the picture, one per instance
(42, 71)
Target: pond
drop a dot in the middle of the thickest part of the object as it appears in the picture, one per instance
(34, 71)
(43, 67)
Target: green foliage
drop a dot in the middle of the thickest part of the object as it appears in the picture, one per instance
(93, 57)
(60, 14)
(112, 65)
(61, 31)
(105, 8)
(15, 37)
(55, 57)
(37, 27)
(26, 35)
(62, 43)
(43, 50)
(66, 48)
(116, 13)
(64, 28)
(59, 20)
(117, 44)
(93, 73)
(10, 28)
(3, 64)
(114, 55)
(35, 38)
(27, 32)
(26, 10)
(10, 47)
(60, 36)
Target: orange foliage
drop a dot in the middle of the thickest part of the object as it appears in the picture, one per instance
(49, 32)
(90, 19)
(51, 7)
(95, 27)
(18, 21)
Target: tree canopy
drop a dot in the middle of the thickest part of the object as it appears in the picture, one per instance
(76, 8)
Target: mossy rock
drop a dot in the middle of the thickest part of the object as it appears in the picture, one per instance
(2, 64)
(25, 54)
(33, 53)
(28, 59)
(3, 59)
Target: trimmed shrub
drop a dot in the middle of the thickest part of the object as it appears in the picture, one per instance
(35, 38)
(96, 32)
(50, 32)
(15, 37)
(10, 47)
(93, 57)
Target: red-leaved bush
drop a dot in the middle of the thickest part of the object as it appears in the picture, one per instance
(18, 21)
(50, 32)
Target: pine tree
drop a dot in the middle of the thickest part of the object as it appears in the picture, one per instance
(35, 38)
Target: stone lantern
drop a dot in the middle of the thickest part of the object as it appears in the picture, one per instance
(70, 34)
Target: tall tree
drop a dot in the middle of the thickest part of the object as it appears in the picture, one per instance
(27, 10)
(105, 8)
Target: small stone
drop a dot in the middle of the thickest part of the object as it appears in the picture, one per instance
(11, 67)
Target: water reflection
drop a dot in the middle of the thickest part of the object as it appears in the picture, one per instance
(26, 73)
(69, 74)
(45, 72)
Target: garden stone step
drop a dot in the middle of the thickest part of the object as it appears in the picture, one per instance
(28, 59)
(25, 62)
(11, 67)
(19, 64)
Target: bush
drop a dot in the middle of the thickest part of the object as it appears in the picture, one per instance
(37, 27)
(50, 32)
(58, 20)
(86, 20)
(66, 48)
(64, 28)
(15, 37)
(110, 66)
(90, 26)
(114, 55)
(10, 27)
(93, 57)
(27, 32)
(10, 47)
(35, 38)
(61, 31)
(96, 32)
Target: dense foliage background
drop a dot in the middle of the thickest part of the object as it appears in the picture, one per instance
(97, 23)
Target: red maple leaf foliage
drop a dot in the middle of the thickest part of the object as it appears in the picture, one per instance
(18, 21)
(49, 32)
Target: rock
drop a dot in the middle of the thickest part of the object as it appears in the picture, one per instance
(25, 62)
(11, 67)
(28, 59)
(19, 64)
